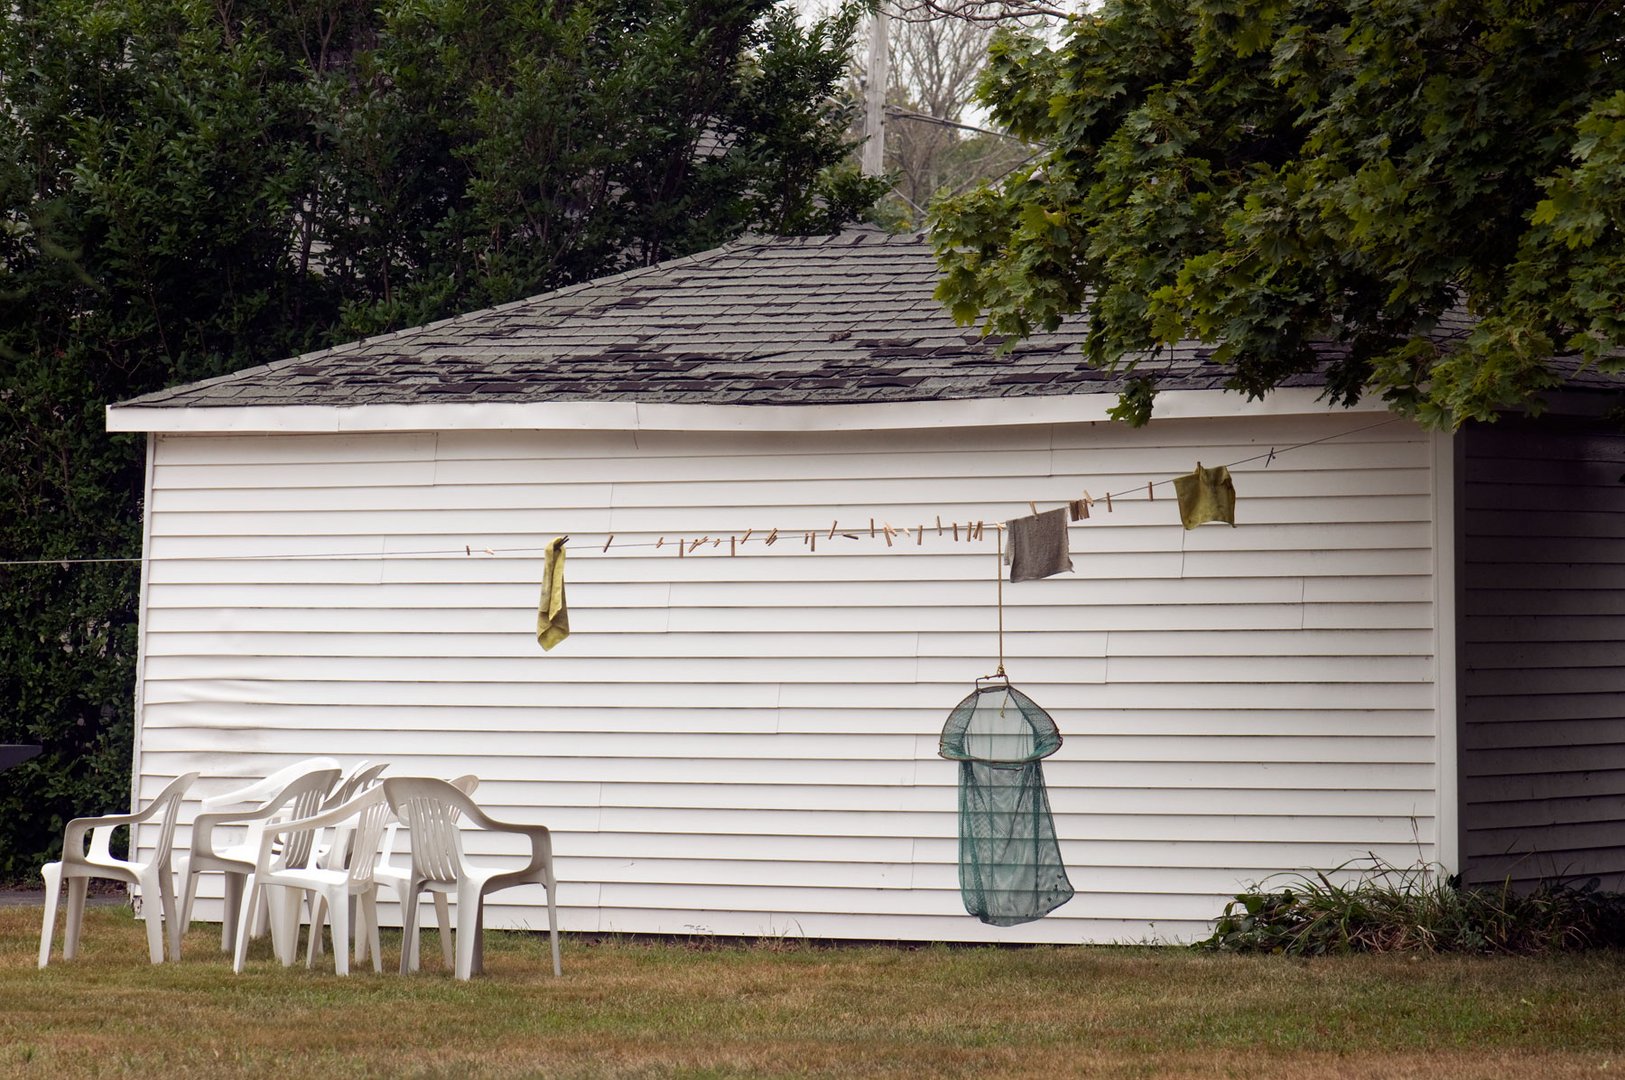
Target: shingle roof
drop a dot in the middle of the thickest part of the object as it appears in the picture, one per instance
(828, 320)
(787, 321)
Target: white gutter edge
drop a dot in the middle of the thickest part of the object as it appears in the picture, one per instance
(651, 416)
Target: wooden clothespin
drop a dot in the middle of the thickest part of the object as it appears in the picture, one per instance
(1033, 507)
(733, 546)
(747, 535)
(610, 541)
(871, 528)
(919, 536)
(1270, 458)
(468, 550)
(718, 542)
(812, 540)
(681, 548)
(660, 543)
(696, 544)
(1108, 502)
(772, 536)
(979, 530)
(832, 527)
(888, 532)
(1151, 491)
(956, 530)
(939, 524)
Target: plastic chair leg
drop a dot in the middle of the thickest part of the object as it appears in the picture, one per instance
(409, 931)
(188, 889)
(52, 873)
(171, 912)
(339, 915)
(152, 913)
(76, 916)
(240, 937)
(232, 915)
(442, 913)
(553, 931)
(368, 905)
(468, 930)
(283, 913)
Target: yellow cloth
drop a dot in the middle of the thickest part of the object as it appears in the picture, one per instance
(552, 617)
(1206, 495)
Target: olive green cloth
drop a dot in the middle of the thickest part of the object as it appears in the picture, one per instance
(1206, 495)
(552, 617)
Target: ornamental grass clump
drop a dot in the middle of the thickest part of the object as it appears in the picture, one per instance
(1383, 908)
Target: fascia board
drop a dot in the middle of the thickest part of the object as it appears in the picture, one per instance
(653, 416)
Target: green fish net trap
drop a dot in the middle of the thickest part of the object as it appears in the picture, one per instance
(1010, 868)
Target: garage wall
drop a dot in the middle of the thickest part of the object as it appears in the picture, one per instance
(747, 745)
(1543, 676)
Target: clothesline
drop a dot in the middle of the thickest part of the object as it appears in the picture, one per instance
(708, 543)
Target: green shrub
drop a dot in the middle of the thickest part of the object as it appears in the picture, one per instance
(1388, 909)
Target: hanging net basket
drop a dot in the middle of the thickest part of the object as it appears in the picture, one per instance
(1010, 868)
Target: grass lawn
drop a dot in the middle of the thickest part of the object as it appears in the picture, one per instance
(658, 1010)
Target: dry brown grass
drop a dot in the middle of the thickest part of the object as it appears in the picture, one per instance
(642, 1010)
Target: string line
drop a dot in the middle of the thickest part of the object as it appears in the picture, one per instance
(808, 535)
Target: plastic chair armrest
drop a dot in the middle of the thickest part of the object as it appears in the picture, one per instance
(540, 836)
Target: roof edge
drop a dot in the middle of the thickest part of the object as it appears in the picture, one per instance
(656, 416)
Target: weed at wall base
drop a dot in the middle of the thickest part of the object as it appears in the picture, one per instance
(1377, 907)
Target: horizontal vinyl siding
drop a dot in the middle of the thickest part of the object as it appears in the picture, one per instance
(1543, 742)
(747, 745)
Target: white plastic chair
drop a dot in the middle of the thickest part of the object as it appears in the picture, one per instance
(398, 880)
(348, 872)
(431, 809)
(299, 797)
(251, 796)
(153, 876)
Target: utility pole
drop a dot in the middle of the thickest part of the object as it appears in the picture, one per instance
(874, 96)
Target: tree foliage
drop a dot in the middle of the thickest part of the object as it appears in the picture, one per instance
(187, 188)
(1280, 177)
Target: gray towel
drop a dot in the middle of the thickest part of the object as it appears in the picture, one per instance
(1038, 546)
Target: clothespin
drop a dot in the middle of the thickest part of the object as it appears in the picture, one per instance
(887, 534)
(832, 527)
(697, 543)
(772, 536)
(565, 539)
(747, 535)
(610, 541)
(1033, 507)
(939, 524)
(919, 536)
(1108, 502)
(488, 551)
(852, 536)
(718, 541)
(1151, 491)
(956, 530)
(733, 547)
(467, 550)
(659, 543)
(979, 530)
(681, 547)
(871, 528)
(812, 540)
(1270, 458)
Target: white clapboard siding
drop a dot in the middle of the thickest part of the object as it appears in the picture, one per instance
(1543, 679)
(747, 745)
